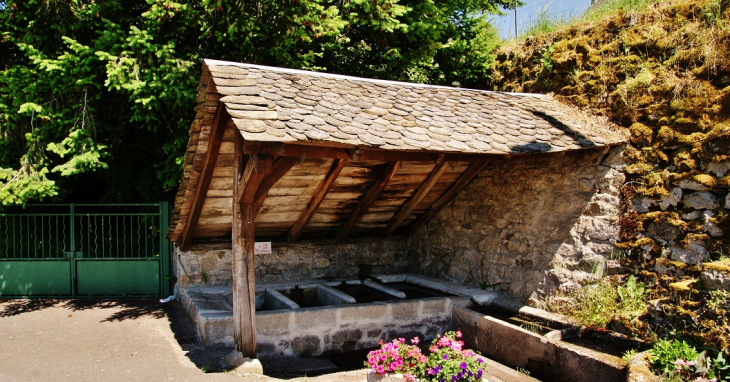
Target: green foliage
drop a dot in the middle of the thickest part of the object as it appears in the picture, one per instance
(611, 7)
(665, 353)
(93, 93)
(628, 354)
(677, 360)
(598, 304)
(546, 57)
(544, 23)
(632, 297)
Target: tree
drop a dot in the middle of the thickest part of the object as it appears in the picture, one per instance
(94, 93)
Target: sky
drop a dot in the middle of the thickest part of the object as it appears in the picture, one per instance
(532, 8)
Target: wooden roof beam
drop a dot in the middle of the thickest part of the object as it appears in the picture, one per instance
(298, 151)
(416, 198)
(317, 198)
(369, 199)
(470, 173)
(277, 149)
(201, 190)
(279, 169)
(255, 169)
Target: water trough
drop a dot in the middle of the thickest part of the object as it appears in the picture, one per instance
(315, 317)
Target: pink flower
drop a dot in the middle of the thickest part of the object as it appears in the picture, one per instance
(415, 341)
(409, 377)
(433, 349)
(458, 334)
(456, 345)
(401, 340)
(381, 370)
(422, 358)
(381, 342)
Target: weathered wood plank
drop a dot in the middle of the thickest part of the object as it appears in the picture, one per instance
(367, 201)
(425, 187)
(201, 190)
(244, 278)
(317, 198)
(459, 185)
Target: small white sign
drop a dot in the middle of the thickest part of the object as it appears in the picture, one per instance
(262, 248)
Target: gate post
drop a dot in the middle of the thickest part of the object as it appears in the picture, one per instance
(72, 217)
(164, 210)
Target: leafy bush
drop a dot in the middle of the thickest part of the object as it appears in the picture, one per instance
(666, 353)
(677, 360)
(598, 304)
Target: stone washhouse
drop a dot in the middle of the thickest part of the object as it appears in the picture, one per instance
(346, 177)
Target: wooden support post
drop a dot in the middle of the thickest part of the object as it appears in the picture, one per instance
(244, 277)
(472, 171)
(425, 187)
(319, 194)
(367, 201)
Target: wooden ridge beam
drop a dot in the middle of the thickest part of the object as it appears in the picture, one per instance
(369, 199)
(256, 168)
(466, 177)
(208, 166)
(416, 198)
(279, 169)
(278, 149)
(319, 194)
(297, 151)
(242, 248)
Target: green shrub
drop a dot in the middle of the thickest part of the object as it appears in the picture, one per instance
(665, 354)
(597, 304)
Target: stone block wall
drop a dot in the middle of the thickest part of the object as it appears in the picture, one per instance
(529, 225)
(314, 331)
(211, 264)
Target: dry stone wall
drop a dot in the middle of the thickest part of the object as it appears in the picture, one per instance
(211, 264)
(529, 226)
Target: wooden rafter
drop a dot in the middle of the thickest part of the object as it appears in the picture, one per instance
(256, 168)
(472, 171)
(367, 201)
(416, 198)
(208, 166)
(244, 288)
(319, 194)
(279, 169)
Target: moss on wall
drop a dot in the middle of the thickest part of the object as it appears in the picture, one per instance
(663, 74)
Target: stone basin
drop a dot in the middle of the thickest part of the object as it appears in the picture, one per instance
(311, 317)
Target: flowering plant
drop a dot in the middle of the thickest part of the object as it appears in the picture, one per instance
(397, 357)
(450, 362)
(447, 361)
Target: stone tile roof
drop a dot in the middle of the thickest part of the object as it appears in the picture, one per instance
(270, 104)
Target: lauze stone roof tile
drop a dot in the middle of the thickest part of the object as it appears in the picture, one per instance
(284, 105)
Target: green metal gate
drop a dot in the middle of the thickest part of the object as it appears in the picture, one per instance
(67, 250)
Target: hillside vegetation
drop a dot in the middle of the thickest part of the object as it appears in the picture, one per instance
(664, 74)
